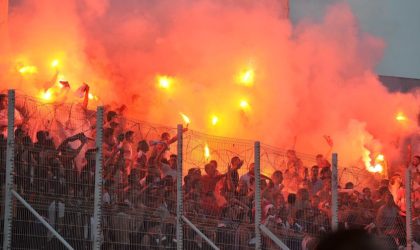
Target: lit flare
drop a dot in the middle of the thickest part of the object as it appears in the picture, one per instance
(164, 82)
(28, 70)
(185, 118)
(206, 152)
(400, 117)
(214, 120)
(246, 77)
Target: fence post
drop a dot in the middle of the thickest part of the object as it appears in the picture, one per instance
(179, 198)
(334, 193)
(97, 214)
(408, 216)
(10, 164)
(257, 169)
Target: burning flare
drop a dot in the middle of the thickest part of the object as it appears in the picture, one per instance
(246, 77)
(55, 63)
(28, 70)
(164, 82)
(214, 120)
(185, 118)
(207, 152)
(400, 117)
(46, 95)
(378, 164)
(244, 104)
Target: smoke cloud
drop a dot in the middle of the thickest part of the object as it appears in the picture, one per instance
(310, 80)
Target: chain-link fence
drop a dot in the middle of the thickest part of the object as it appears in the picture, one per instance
(142, 195)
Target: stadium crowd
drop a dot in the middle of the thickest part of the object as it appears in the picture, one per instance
(139, 196)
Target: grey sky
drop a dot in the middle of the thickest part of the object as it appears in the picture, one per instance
(396, 21)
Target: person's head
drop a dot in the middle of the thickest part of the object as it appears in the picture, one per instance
(277, 177)
(210, 170)
(279, 200)
(129, 136)
(173, 161)
(416, 160)
(236, 162)
(143, 146)
(326, 173)
(111, 115)
(349, 185)
(319, 159)
(41, 136)
(314, 172)
(366, 193)
(3, 101)
(291, 198)
(251, 168)
(165, 136)
(396, 180)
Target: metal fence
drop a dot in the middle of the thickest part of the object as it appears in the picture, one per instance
(79, 179)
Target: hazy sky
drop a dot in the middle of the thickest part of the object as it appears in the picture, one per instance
(396, 21)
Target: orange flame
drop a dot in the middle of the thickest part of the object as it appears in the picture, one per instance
(164, 82)
(55, 63)
(206, 152)
(92, 97)
(28, 70)
(46, 95)
(214, 120)
(243, 104)
(246, 78)
(378, 164)
(400, 117)
(185, 118)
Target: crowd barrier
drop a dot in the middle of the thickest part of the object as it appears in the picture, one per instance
(202, 192)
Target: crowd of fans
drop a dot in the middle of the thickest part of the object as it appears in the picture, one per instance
(139, 196)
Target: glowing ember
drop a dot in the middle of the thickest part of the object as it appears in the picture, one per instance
(55, 63)
(185, 118)
(244, 104)
(164, 82)
(400, 117)
(28, 70)
(214, 120)
(206, 152)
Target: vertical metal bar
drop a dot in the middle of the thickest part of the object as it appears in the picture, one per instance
(334, 193)
(10, 164)
(257, 195)
(179, 205)
(97, 214)
(408, 216)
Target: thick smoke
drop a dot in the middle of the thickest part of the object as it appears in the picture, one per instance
(311, 80)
